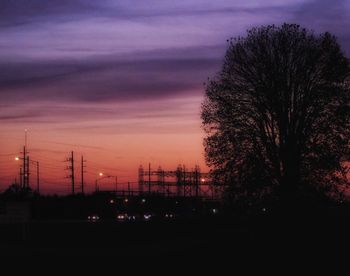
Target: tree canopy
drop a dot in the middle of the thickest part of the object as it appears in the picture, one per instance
(277, 115)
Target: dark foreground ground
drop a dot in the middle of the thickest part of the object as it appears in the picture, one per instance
(313, 239)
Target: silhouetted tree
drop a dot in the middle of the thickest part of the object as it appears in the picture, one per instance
(15, 191)
(277, 114)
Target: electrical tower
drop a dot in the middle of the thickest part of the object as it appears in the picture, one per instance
(182, 182)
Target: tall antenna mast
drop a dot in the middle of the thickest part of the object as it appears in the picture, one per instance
(25, 137)
(25, 162)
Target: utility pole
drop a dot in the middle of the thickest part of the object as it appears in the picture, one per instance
(82, 173)
(96, 186)
(149, 178)
(184, 175)
(24, 172)
(37, 177)
(20, 177)
(27, 163)
(71, 169)
(197, 180)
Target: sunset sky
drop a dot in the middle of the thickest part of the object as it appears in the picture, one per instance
(121, 82)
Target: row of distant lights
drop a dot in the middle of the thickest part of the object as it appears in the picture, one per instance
(93, 218)
(126, 200)
(145, 216)
(126, 216)
(214, 210)
(102, 174)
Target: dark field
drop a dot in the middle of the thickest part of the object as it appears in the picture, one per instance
(197, 243)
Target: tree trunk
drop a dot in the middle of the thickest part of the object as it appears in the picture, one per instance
(290, 182)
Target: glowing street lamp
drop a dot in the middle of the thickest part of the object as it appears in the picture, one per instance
(103, 176)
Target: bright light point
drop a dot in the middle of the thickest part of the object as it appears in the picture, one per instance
(111, 201)
(17, 158)
(100, 174)
(126, 200)
(93, 218)
(202, 179)
(121, 217)
(143, 200)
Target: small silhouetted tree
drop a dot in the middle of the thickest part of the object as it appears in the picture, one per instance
(277, 114)
(15, 191)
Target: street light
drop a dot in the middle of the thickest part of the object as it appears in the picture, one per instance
(103, 176)
(96, 183)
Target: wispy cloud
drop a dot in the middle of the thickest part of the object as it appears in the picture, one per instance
(327, 15)
(101, 52)
(105, 80)
(95, 52)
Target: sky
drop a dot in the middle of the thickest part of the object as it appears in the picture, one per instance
(121, 82)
